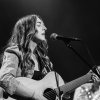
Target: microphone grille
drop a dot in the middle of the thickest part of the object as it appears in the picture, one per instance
(53, 36)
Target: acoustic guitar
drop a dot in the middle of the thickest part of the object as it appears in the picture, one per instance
(46, 88)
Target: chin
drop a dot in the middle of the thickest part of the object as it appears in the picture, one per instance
(42, 39)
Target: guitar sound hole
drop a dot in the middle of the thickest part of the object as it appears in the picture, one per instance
(50, 94)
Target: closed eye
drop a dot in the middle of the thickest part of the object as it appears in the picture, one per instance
(38, 24)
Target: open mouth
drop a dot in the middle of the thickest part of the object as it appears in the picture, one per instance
(43, 33)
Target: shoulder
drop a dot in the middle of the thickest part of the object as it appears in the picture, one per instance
(13, 50)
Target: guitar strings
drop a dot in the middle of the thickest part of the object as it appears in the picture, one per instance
(49, 98)
(47, 94)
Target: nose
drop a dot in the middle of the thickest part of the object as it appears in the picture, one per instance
(44, 28)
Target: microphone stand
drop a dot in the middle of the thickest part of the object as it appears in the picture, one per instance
(93, 68)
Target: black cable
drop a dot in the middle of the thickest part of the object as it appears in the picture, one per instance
(57, 82)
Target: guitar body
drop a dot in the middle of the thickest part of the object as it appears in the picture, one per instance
(46, 88)
(43, 89)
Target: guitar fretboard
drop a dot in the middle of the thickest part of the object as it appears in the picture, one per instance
(70, 86)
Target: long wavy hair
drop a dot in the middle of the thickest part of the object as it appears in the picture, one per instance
(24, 31)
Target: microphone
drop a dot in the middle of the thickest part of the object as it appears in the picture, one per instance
(59, 37)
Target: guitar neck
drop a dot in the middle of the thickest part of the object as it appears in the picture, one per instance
(70, 86)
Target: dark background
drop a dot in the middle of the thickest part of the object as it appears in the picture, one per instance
(71, 18)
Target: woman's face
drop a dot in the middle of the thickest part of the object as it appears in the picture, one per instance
(40, 27)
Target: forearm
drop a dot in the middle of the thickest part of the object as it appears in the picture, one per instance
(17, 86)
(23, 89)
